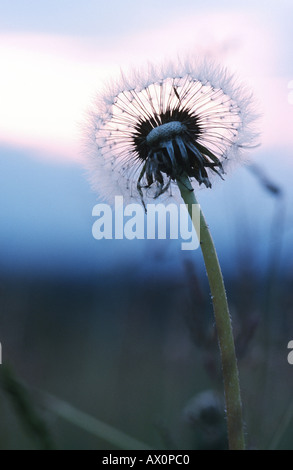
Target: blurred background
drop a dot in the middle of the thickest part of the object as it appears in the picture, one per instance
(111, 344)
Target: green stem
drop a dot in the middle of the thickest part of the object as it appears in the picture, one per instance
(223, 323)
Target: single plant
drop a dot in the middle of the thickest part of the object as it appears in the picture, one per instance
(162, 133)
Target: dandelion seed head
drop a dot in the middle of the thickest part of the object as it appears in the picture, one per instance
(153, 126)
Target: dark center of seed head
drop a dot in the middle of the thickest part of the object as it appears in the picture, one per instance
(164, 133)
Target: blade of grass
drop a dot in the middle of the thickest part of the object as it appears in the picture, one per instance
(25, 409)
(281, 429)
(90, 424)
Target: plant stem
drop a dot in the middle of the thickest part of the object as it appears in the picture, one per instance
(223, 322)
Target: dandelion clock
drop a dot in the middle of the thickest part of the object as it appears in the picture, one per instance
(149, 129)
(163, 133)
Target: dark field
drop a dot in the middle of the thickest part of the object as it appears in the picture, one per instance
(137, 353)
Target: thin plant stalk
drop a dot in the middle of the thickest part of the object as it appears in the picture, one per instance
(25, 408)
(223, 323)
(90, 424)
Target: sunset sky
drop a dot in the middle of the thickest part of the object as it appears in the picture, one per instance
(56, 54)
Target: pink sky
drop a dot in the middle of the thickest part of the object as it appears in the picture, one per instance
(47, 81)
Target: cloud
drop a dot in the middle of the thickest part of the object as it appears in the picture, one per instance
(45, 86)
(47, 81)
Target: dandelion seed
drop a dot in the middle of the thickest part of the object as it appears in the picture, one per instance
(159, 125)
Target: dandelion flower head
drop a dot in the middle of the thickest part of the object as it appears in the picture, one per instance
(152, 127)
